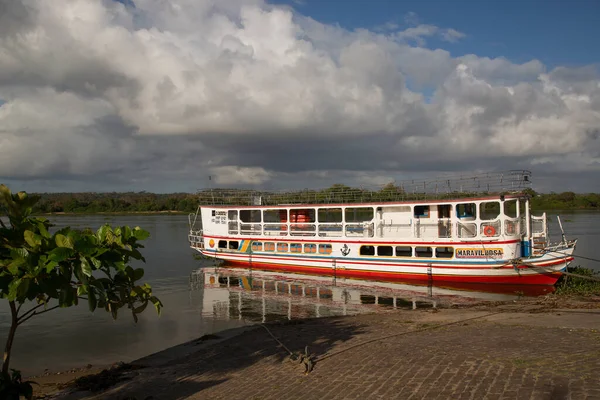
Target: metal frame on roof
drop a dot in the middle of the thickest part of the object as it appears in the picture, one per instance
(448, 187)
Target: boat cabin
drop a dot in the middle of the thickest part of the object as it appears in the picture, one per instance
(478, 219)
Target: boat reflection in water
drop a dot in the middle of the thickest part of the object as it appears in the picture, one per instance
(262, 296)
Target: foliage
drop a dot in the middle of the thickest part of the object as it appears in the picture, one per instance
(566, 201)
(12, 386)
(43, 271)
(115, 202)
(575, 285)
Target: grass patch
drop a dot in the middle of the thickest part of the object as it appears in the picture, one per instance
(587, 284)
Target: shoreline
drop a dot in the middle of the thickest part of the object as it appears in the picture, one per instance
(86, 213)
(534, 312)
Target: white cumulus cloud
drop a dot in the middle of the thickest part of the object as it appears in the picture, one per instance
(158, 94)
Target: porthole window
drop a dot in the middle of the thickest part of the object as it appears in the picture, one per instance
(367, 250)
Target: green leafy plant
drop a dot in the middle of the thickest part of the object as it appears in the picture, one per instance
(585, 282)
(40, 271)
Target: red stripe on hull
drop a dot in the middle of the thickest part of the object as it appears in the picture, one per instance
(424, 262)
(533, 279)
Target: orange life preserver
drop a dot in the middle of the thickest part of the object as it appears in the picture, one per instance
(489, 231)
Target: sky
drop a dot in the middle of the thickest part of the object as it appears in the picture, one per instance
(155, 95)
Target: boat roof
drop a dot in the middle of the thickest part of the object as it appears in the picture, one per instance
(510, 184)
(373, 204)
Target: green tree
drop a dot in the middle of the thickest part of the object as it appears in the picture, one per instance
(40, 272)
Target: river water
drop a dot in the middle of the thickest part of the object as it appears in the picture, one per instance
(200, 298)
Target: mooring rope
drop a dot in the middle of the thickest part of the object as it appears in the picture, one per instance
(573, 255)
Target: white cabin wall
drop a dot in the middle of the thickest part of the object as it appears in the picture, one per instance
(396, 222)
(214, 225)
(428, 226)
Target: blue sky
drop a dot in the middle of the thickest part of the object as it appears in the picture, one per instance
(555, 32)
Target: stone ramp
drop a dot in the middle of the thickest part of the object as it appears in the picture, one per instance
(448, 354)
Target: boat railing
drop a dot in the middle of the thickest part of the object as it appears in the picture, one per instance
(275, 229)
(196, 239)
(539, 231)
(233, 228)
(250, 229)
(443, 187)
(538, 225)
(331, 229)
(360, 229)
(427, 229)
(395, 229)
(303, 229)
(421, 228)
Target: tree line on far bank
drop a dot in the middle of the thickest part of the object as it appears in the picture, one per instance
(187, 202)
(115, 202)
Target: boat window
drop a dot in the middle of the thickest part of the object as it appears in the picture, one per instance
(232, 215)
(330, 215)
(325, 293)
(385, 251)
(295, 247)
(403, 251)
(489, 210)
(359, 214)
(234, 244)
(423, 252)
(256, 246)
(510, 208)
(232, 227)
(367, 250)
(222, 244)
(467, 230)
(310, 248)
(283, 247)
(491, 229)
(444, 252)
(444, 210)
(324, 249)
(250, 215)
(275, 216)
(302, 215)
(466, 211)
(269, 246)
(421, 211)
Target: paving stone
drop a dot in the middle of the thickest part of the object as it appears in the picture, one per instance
(479, 360)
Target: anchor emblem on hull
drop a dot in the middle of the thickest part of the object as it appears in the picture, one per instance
(345, 250)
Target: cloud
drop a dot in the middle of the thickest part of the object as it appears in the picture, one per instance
(234, 175)
(452, 35)
(420, 32)
(159, 95)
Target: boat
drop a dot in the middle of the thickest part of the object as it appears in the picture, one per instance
(475, 229)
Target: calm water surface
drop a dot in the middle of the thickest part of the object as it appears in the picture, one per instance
(200, 298)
